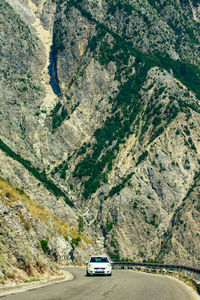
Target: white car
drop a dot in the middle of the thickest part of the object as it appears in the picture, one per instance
(99, 265)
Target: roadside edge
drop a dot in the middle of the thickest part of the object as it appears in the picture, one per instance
(22, 287)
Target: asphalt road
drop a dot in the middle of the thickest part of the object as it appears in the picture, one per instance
(123, 285)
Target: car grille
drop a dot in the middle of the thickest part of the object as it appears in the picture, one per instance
(99, 270)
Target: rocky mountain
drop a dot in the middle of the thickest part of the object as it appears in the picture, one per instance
(99, 132)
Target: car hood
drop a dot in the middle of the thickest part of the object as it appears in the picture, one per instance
(99, 265)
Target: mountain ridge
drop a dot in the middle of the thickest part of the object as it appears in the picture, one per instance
(117, 149)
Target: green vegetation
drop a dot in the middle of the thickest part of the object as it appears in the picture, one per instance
(44, 246)
(58, 117)
(81, 224)
(114, 254)
(62, 168)
(198, 205)
(196, 181)
(41, 176)
(192, 145)
(109, 226)
(21, 192)
(142, 157)
(93, 43)
(58, 42)
(135, 205)
(75, 241)
(153, 221)
(56, 109)
(152, 3)
(59, 114)
(166, 244)
(118, 5)
(186, 130)
(116, 189)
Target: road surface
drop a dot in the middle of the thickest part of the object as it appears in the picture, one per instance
(123, 285)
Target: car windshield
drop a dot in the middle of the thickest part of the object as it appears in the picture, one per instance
(99, 259)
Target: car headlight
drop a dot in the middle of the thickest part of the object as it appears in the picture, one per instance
(108, 266)
(90, 266)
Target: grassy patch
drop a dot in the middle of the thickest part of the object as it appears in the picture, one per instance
(37, 210)
(44, 246)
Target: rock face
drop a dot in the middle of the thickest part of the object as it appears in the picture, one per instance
(100, 129)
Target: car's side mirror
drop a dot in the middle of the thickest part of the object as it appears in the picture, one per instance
(87, 262)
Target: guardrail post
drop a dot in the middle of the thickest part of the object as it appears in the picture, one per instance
(196, 276)
(183, 273)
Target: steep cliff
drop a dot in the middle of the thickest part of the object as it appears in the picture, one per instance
(100, 125)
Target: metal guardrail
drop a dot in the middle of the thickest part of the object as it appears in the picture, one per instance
(181, 270)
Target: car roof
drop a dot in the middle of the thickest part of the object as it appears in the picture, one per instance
(103, 256)
(99, 255)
